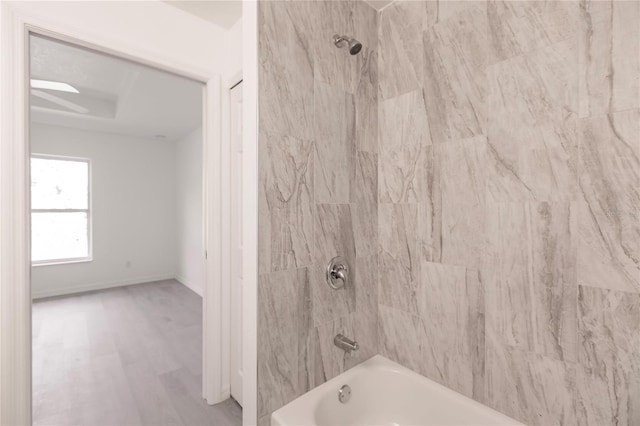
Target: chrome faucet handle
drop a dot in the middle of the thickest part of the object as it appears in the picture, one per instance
(337, 273)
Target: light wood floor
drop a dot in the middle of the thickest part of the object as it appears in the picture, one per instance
(124, 356)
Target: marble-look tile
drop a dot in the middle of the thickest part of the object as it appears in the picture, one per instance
(404, 138)
(279, 315)
(363, 21)
(365, 332)
(323, 359)
(531, 284)
(367, 284)
(427, 348)
(332, 359)
(357, 326)
(609, 57)
(538, 156)
(536, 163)
(328, 304)
(286, 210)
(607, 397)
(319, 21)
(334, 233)
(402, 338)
(365, 209)
(307, 347)
(449, 9)
(365, 318)
(537, 390)
(518, 27)
(609, 379)
(264, 420)
(366, 100)
(335, 144)
(609, 222)
(400, 47)
(460, 175)
(399, 256)
(285, 73)
(453, 305)
(456, 53)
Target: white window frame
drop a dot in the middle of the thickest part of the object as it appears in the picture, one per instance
(88, 210)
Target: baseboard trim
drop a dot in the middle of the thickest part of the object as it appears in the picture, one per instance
(190, 285)
(98, 286)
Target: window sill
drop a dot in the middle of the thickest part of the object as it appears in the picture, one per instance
(61, 262)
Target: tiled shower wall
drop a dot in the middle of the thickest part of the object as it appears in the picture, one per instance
(318, 165)
(509, 203)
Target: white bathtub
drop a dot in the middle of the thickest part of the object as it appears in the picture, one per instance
(385, 393)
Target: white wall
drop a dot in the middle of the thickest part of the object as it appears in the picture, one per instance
(233, 44)
(189, 215)
(133, 210)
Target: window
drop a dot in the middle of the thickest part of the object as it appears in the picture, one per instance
(60, 215)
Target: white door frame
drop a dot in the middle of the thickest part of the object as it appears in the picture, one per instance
(15, 291)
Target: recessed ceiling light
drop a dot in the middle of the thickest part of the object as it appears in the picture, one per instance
(53, 85)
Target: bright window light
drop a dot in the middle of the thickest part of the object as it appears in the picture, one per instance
(53, 85)
(60, 215)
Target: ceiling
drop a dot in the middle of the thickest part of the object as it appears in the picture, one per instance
(224, 13)
(115, 95)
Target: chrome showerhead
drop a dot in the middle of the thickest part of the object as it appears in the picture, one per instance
(354, 45)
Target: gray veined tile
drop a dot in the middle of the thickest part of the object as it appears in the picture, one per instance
(328, 304)
(404, 138)
(534, 163)
(330, 360)
(609, 57)
(335, 143)
(285, 202)
(365, 209)
(265, 420)
(364, 21)
(518, 27)
(367, 284)
(450, 9)
(399, 256)
(456, 54)
(319, 21)
(609, 372)
(285, 73)
(308, 376)
(366, 100)
(537, 390)
(279, 317)
(334, 232)
(431, 350)
(400, 30)
(365, 332)
(531, 284)
(609, 222)
(401, 337)
(359, 326)
(453, 308)
(537, 158)
(535, 87)
(460, 175)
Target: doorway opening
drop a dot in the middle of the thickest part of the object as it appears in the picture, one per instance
(119, 215)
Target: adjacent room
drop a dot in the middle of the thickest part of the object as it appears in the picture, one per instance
(118, 226)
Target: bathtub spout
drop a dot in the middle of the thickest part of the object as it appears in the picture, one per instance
(345, 343)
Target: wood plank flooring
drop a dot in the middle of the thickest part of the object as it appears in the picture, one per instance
(124, 356)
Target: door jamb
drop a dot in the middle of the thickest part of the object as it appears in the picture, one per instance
(15, 286)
